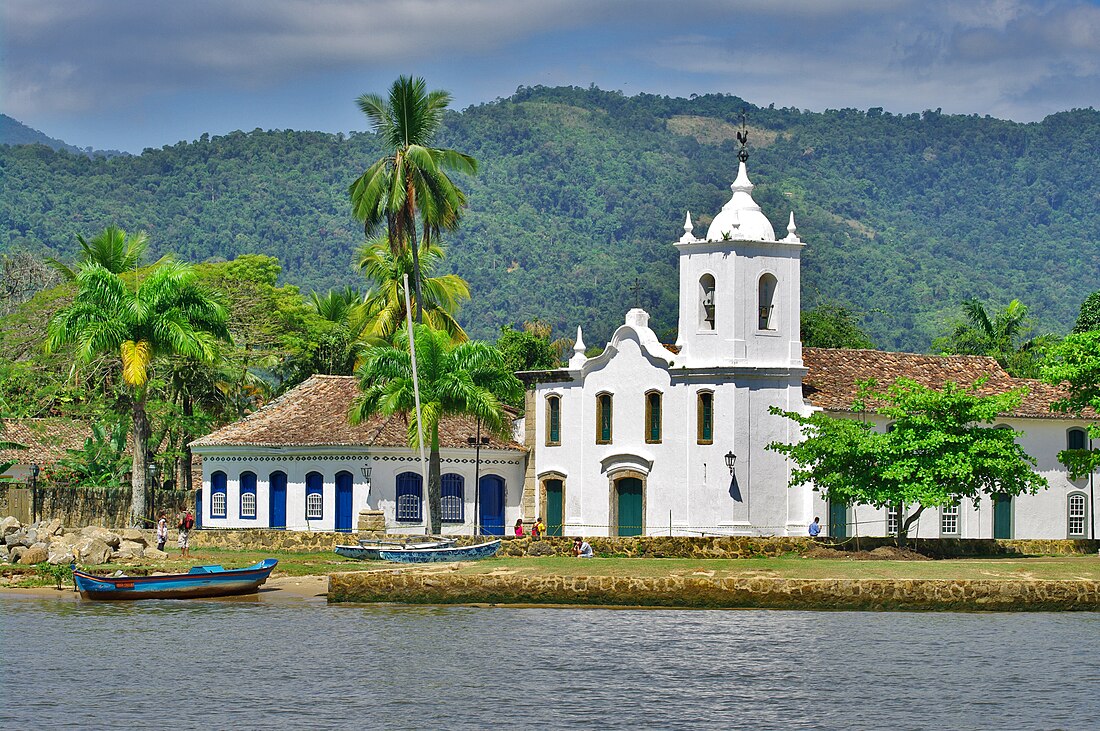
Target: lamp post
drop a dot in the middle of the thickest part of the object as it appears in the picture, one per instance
(477, 442)
(366, 470)
(34, 492)
(152, 489)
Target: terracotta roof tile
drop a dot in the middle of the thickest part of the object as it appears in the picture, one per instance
(833, 374)
(46, 439)
(315, 414)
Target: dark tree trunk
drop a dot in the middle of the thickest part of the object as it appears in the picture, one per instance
(185, 468)
(435, 491)
(903, 526)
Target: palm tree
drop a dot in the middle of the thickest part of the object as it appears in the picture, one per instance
(438, 298)
(113, 249)
(410, 182)
(166, 313)
(1001, 335)
(468, 378)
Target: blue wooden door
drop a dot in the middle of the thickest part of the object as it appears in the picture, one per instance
(491, 505)
(343, 501)
(277, 499)
(198, 508)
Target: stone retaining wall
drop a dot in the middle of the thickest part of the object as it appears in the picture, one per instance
(419, 587)
(653, 546)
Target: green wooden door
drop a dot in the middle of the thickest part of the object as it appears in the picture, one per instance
(838, 520)
(555, 510)
(1002, 515)
(629, 506)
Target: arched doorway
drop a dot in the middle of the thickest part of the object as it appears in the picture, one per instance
(491, 505)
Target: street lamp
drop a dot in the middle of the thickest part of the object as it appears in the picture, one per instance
(34, 491)
(476, 442)
(731, 460)
(366, 470)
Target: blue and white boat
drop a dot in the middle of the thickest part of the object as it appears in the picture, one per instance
(200, 581)
(445, 553)
(368, 550)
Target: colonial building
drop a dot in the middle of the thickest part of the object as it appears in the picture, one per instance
(655, 439)
(298, 464)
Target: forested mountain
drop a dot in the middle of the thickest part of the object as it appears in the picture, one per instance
(14, 132)
(581, 191)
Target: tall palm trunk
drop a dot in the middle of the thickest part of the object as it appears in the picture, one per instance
(137, 478)
(185, 468)
(411, 197)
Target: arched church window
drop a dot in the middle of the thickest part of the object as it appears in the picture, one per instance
(1077, 438)
(553, 420)
(706, 302)
(766, 301)
(705, 418)
(603, 418)
(653, 417)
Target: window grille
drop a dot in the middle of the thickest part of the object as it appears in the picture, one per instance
(453, 500)
(893, 515)
(247, 482)
(217, 495)
(949, 520)
(314, 500)
(409, 497)
(1077, 516)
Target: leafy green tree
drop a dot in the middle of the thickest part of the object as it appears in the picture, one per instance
(437, 299)
(1089, 317)
(528, 349)
(1074, 364)
(410, 181)
(1002, 335)
(164, 313)
(468, 378)
(937, 451)
(101, 461)
(113, 249)
(833, 326)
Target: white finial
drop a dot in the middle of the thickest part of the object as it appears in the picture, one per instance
(688, 238)
(791, 228)
(578, 358)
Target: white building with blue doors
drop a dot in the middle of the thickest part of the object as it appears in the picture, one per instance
(297, 464)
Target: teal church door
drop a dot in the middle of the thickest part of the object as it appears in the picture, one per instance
(1002, 515)
(629, 497)
(838, 520)
(555, 509)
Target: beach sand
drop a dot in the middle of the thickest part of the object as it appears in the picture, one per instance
(277, 589)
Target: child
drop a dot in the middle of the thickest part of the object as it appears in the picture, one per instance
(519, 527)
(537, 529)
(162, 531)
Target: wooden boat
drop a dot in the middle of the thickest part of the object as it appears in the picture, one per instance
(445, 553)
(367, 550)
(200, 581)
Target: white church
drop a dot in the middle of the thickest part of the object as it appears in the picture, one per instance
(643, 439)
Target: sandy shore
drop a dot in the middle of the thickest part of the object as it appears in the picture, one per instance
(279, 589)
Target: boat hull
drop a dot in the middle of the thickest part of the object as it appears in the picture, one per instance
(370, 550)
(202, 582)
(450, 553)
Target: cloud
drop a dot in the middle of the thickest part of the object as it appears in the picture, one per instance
(1005, 57)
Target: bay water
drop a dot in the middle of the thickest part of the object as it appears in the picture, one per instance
(249, 664)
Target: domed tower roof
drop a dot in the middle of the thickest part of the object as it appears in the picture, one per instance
(741, 218)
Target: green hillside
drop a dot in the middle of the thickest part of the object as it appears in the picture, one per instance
(581, 191)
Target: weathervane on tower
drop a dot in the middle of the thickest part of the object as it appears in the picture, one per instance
(743, 138)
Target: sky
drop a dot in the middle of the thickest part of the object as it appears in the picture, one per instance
(131, 74)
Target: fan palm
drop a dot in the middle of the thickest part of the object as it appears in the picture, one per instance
(409, 183)
(113, 249)
(166, 313)
(467, 378)
(384, 305)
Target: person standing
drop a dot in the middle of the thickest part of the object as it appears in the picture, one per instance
(815, 528)
(519, 527)
(537, 529)
(162, 531)
(186, 523)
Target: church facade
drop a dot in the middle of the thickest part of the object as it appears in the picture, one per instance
(653, 439)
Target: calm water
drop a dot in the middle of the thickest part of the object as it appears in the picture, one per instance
(303, 664)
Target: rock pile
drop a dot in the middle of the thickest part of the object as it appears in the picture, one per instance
(49, 541)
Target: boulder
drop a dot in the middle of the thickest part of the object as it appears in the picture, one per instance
(59, 553)
(4, 552)
(69, 539)
(155, 554)
(131, 549)
(101, 534)
(133, 535)
(9, 524)
(35, 554)
(14, 539)
(31, 537)
(53, 528)
(16, 553)
(92, 551)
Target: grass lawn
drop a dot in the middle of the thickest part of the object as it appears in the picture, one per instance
(796, 567)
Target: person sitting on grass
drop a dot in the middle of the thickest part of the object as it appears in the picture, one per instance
(581, 548)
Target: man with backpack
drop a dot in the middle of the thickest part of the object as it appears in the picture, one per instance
(186, 523)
